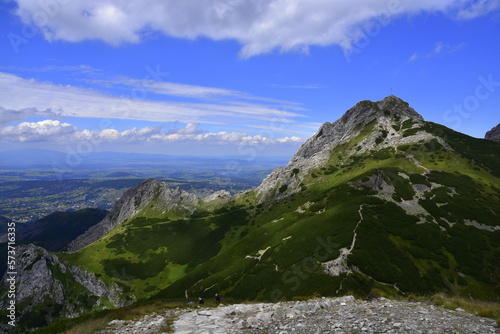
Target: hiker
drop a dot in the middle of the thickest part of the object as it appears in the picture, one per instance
(201, 301)
(217, 299)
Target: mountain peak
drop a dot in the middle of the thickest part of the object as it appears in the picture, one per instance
(368, 110)
(374, 121)
(393, 99)
(390, 110)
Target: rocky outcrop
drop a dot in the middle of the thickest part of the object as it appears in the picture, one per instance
(216, 200)
(130, 204)
(388, 114)
(351, 123)
(44, 282)
(493, 134)
(326, 315)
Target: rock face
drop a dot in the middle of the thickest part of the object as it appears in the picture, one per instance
(355, 119)
(45, 282)
(216, 200)
(326, 315)
(388, 114)
(493, 134)
(130, 204)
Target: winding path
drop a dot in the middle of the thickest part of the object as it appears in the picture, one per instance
(339, 265)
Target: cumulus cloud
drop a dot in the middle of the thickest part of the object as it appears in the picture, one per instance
(57, 132)
(224, 138)
(134, 135)
(48, 130)
(259, 25)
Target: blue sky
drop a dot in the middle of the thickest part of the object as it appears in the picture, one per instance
(236, 77)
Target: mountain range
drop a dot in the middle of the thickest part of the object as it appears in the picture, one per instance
(380, 201)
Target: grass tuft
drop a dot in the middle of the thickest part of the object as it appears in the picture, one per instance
(480, 308)
(89, 326)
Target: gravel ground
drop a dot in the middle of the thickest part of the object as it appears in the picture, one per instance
(326, 315)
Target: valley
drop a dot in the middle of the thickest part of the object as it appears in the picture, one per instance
(30, 192)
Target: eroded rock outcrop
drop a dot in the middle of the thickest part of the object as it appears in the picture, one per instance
(45, 282)
(493, 134)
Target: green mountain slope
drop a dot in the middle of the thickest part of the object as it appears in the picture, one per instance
(379, 199)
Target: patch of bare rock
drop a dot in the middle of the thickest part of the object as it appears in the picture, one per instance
(325, 315)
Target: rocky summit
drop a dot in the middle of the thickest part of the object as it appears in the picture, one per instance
(493, 134)
(325, 315)
(388, 114)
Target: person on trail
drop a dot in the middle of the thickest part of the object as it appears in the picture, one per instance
(201, 301)
(217, 299)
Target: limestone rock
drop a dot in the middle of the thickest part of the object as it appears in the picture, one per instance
(324, 315)
(43, 279)
(316, 151)
(217, 199)
(493, 134)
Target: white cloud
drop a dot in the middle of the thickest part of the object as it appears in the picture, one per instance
(10, 115)
(478, 8)
(439, 48)
(224, 138)
(261, 26)
(17, 93)
(57, 132)
(445, 48)
(48, 130)
(168, 88)
(413, 57)
(78, 69)
(306, 86)
(190, 129)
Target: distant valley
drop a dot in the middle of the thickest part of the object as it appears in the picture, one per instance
(30, 189)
